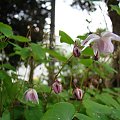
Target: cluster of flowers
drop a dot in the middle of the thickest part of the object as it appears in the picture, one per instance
(102, 45)
(57, 88)
(31, 94)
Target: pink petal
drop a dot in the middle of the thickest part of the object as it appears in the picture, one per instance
(34, 96)
(91, 36)
(31, 95)
(57, 87)
(89, 39)
(78, 93)
(105, 46)
(110, 36)
(95, 49)
(76, 51)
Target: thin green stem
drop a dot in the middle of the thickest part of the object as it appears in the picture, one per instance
(1, 99)
(85, 76)
(1, 88)
(63, 67)
(46, 100)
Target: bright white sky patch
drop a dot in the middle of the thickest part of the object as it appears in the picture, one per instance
(73, 21)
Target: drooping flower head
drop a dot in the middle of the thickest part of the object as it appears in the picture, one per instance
(31, 95)
(57, 87)
(78, 93)
(102, 44)
(76, 51)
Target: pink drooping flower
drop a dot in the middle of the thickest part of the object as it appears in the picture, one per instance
(76, 51)
(31, 95)
(57, 87)
(102, 44)
(78, 93)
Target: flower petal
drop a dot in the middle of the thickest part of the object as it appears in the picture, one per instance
(89, 39)
(31, 95)
(105, 46)
(110, 35)
(91, 36)
(95, 49)
(76, 51)
(35, 96)
(78, 93)
(57, 87)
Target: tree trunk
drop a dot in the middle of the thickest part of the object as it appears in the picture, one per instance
(31, 72)
(52, 40)
(115, 18)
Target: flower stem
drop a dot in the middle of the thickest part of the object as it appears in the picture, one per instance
(63, 66)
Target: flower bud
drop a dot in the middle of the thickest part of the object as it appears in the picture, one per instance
(76, 51)
(96, 56)
(57, 87)
(36, 29)
(75, 81)
(31, 95)
(78, 93)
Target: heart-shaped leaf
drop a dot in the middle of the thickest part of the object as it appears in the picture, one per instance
(65, 38)
(60, 111)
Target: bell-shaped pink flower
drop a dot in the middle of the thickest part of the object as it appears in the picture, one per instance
(76, 51)
(57, 87)
(102, 44)
(78, 93)
(31, 95)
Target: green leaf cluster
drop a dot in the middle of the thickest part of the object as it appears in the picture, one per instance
(116, 8)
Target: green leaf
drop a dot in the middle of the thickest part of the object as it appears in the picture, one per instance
(34, 113)
(4, 75)
(65, 38)
(116, 8)
(24, 53)
(6, 115)
(108, 68)
(18, 112)
(115, 114)
(37, 51)
(56, 55)
(3, 45)
(83, 117)
(109, 91)
(107, 99)
(96, 110)
(8, 66)
(117, 89)
(6, 29)
(7, 82)
(86, 62)
(118, 99)
(20, 38)
(44, 88)
(60, 111)
(82, 37)
(16, 45)
(88, 51)
(2, 36)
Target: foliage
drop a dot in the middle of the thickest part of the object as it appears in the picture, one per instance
(98, 102)
(116, 8)
(65, 38)
(22, 15)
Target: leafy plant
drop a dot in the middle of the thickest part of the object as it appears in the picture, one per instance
(79, 91)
